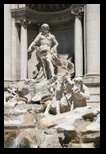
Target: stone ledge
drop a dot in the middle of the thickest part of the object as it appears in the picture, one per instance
(92, 81)
(19, 126)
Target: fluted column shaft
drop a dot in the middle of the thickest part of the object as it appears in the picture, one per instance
(7, 43)
(23, 52)
(93, 38)
(78, 47)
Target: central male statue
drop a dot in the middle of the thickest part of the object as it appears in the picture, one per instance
(46, 51)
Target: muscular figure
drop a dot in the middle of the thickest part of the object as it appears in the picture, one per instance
(46, 50)
(80, 93)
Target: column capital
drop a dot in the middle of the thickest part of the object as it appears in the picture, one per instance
(25, 22)
(22, 22)
(17, 24)
(77, 12)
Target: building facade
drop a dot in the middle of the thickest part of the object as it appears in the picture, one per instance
(75, 26)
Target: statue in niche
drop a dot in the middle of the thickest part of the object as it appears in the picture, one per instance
(45, 45)
(49, 63)
(59, 89)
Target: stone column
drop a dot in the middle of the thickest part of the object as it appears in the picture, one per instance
(7, 43)
(15, 49)
(23, 51)
(93, 39)
(84, 41)
(78, 45)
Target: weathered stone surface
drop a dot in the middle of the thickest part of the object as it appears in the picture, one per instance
(83, 145)
(78, 128)
(24, 138)
(66, 130)
(37, 108)
(9, 136)
(68, 117)
(49, 142)
(90, 137)
(95, 126)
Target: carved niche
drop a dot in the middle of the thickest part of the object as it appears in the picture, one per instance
(48, 7)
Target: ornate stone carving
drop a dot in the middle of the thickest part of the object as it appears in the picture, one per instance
(60, 102)
(77, 10)
(67, 94)
(23, 22)
(80, 93)
(49, 63)
(53, 78)
(65, 13)
(36, 16)
(48, 7)
(26, 21)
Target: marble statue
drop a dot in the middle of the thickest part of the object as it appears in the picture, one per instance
(80, 93)
(67, 95)
(60, 90)
(15, 94)
(45, 45)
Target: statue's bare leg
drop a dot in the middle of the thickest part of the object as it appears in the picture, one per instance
(51, 67)
(44, 67)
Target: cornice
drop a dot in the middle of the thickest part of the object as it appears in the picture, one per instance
(35, 16)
